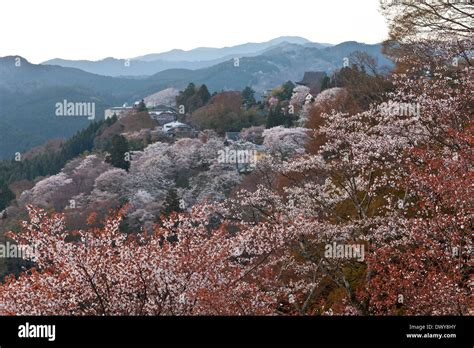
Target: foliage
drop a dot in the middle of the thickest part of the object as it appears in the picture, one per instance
(192, 98)
(141, 107)
(172, 202)
(384, 166)
(224, 113)
(279, 115)
(6, 195)
(364, 88)
(248, 97)
(50, 162)
(285, 91)
(119, 152)
(104, 272)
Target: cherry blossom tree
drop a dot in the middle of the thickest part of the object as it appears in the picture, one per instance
(285, 142)
(394, 178)
(393, 182)
(183, 268)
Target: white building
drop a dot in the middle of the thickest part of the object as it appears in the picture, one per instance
(119, 111)
(171, 125)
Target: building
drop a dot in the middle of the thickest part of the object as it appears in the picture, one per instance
(180, 130)
(163, 114)
(163, 117)
(313, 80)
(162, 107)
(120, 111)
(168, 126)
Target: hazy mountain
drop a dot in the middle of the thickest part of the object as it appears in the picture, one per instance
(133, 68)
(28, 97)
(207, 53)
(282, 63)
(29, 77)
(29, 92)
(176, 59)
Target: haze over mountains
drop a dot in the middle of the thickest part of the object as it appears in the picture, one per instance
(29, 92)
(197, 58)
(209, 53)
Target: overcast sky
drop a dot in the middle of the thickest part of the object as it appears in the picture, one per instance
(95, 29)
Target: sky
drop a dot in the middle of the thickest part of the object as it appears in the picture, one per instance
(39, 30)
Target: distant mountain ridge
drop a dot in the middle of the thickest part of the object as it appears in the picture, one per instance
(209, 53)
(273, 67)
(29, 92)
(194, 59)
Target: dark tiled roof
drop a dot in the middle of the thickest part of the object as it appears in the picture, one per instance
(312, 78)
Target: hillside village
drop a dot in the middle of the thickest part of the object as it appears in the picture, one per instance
(306, 179)
(172, 150)
(170, 122)
(236, 123)
(162, 107)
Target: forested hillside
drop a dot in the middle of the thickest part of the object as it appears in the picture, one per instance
(29, 92)
(302, 181)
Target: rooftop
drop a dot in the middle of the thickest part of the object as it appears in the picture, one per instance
(311, 78)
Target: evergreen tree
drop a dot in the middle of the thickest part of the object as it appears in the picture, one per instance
(286, 91)
(6, 196)
(172, 202)
(204, 95)
(276, 117)
(190, 90)
(184, 96)
(192, 98)
(248, 97)
(119, 150)
(326, 83)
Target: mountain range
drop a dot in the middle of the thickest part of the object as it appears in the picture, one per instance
(197, 58)
(29, 92)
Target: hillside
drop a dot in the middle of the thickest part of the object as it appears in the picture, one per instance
(197, 58)
(28, 93)
(275, 66)
(208, 53)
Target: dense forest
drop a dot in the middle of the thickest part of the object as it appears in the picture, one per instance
(349, 197)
